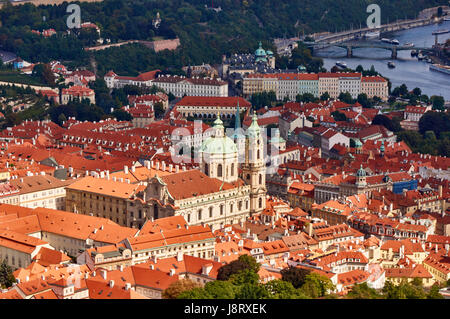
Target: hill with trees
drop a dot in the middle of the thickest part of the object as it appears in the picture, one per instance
(205, 34)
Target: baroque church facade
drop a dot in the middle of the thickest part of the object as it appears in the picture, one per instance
(215, 194)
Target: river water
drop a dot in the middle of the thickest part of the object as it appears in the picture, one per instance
(408, 70)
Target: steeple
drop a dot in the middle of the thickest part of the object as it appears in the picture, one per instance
(218, 127)
(254, 129)
(382, 149)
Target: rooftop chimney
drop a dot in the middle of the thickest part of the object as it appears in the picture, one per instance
(103, 274)
(125, 170)
(111, 283)
(172, 272)
(127, 286)
(180, 256)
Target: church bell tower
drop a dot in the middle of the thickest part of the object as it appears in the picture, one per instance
(254, 167)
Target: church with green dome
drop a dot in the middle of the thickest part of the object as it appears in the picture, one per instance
(260, 61)
(219, 158)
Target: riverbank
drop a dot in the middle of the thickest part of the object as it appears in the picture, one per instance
(408, 69)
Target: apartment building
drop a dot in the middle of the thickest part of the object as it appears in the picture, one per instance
(208, 107)
(101, 197)
(289, 85)
(375, 86)
(64, 231)
(41, 191)
(195, 86)
(169, 237)
(17, 249)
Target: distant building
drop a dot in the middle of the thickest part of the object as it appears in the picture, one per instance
(209, 107)
(114, 81)
(194, 86)
(289, 85)
(243, 64)
(77, 92)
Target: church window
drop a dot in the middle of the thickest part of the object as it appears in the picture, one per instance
(221, 209)
(200, 214)
(260, 202)
(210, 211)
(232, 169)
(219, 170)
(260, 179)
(259, 154)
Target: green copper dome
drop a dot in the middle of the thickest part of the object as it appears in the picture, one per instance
(260, 54)
(220, 143)
(276, 138)
(361, 172)
(382, 149)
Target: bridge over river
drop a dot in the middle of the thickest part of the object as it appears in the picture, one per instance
(346, 39)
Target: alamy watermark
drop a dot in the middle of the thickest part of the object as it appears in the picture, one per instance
(374, 19)
(74, 19)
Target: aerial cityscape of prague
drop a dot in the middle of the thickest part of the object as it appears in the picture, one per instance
(225, 149)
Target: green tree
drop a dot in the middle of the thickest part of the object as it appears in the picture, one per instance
(253, 265)
(280, 289)
(62, 118)
(383, 120)
(417, 92)
(325, 96)
(316, 285)
(6, 275)
(219, 289)
(296, 276)
(252, 291)
(438, 102)
(44, 73)
(403, 89)
(178, 287)
(306, 97)
(122, 115)
(195, 293)
(363, 100)
(404, 290)
(346, 98)
(434, 121)
(245, 277)
(159, 109)
(338, 116)
(363, 291)
(434, 293)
